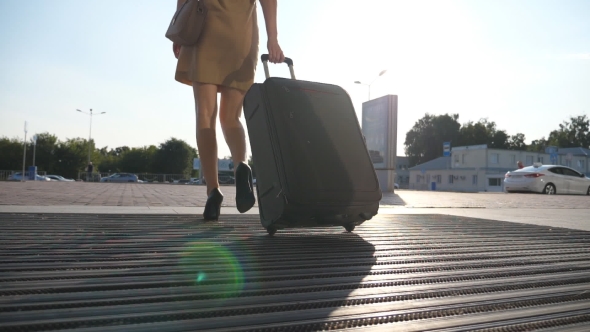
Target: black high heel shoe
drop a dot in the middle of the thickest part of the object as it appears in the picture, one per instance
(213, 205)
(244, 191)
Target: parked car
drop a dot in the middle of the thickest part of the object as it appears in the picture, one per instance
(547, 179)
(58, 178)
(121, 177)
(195, 181)
(18, 176)
(226, 179)
(223, 179)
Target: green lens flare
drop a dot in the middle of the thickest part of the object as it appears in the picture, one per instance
(214, 268)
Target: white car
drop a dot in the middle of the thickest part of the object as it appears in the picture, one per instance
(121, 177)
(195, 181)
(547, 179)
(58, 178)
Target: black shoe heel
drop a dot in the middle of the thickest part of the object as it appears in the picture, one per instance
(244, 191)
(213, 205)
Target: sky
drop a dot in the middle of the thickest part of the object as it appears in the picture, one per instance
(524, 64)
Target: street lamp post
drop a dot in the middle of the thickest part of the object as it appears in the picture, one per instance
(369, 85)
(34, 148)
(90, 134)
(22, 178)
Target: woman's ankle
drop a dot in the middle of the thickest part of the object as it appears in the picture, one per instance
(210, 190)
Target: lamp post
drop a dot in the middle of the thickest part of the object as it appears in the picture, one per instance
(369, 85)
(22, 178)
(90, 134)
(34, 148)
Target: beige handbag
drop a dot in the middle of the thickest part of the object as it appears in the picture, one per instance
(187, 23)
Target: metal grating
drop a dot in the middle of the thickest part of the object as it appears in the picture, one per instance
(177, 273)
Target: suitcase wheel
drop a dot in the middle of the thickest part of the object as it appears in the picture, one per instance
(366, 215)
(349, 228)
(272, 230)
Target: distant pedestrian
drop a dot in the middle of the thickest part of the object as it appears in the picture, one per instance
(520, 164)
(89, 171)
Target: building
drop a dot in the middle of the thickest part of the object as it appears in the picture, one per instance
(402, 171)
(477, 168)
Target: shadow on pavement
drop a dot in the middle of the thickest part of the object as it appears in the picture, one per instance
(390, 198)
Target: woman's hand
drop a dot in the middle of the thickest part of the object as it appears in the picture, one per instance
(275, 53)
(176, 49)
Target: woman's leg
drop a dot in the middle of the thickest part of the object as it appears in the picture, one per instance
(206, 111)
(230, 111)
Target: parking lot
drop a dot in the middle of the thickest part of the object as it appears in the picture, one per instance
(569, 211)
(160, 195)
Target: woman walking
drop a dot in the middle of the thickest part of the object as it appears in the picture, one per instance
(224, 61)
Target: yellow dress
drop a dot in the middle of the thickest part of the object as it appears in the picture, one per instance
(227, 51)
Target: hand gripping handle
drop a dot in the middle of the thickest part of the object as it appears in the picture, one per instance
(288, 61)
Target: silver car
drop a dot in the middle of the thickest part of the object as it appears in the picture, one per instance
(547, 179)
(121, 177)
(18, 176)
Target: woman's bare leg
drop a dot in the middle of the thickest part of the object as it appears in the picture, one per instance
(206, 111)
(230, 111)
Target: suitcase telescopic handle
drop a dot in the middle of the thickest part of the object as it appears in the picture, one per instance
(288, 61)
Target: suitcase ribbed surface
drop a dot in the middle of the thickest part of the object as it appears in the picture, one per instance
(393, 273)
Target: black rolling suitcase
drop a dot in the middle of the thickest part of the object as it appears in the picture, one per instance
(311, 162)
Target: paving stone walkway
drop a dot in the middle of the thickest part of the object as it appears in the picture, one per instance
(162, 195)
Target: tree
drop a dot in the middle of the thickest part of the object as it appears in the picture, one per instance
(516, 142)
(484, 132)
(109, 164)
(71, 157)
(174, 157)
(137, 160)
(44, 152)
(473, 134)
(538, 145)
(11, 154)
(122, 149)
(425, 140)
(573, 133)
(499, 140)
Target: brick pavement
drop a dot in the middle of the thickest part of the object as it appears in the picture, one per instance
(437, 199)
(171, 195)
(106, 194)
